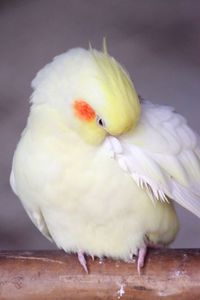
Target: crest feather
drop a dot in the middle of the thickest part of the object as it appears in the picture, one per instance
(116, 83)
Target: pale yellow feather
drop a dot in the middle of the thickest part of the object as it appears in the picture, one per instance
(71, 185)
(86, 199)
(121, 98)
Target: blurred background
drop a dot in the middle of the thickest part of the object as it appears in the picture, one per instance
(158, 41)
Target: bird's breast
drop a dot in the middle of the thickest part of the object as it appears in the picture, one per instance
(87, 200)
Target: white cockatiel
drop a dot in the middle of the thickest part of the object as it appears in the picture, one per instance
(96, 168)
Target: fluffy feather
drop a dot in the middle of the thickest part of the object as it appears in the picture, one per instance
(117, 86)
(68, 184)
(100, 189)
(168, 166)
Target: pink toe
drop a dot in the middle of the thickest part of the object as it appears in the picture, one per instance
(82, 261)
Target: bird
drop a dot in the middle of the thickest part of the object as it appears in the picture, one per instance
(97, 167)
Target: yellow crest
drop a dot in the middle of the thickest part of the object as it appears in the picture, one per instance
(117, 86)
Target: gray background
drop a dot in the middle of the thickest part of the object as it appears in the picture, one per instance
(157, 40)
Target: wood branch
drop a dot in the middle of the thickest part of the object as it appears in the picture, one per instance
(54, 275)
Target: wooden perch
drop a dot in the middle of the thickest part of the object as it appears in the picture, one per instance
(54, 275)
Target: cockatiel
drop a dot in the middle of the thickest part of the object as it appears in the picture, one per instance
(97, 168)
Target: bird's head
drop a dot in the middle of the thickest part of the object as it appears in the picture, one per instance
(92, 90)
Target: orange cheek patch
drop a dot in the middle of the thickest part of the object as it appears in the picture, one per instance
(83, 110)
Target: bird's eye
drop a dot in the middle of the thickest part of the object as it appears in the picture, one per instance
(100, 121)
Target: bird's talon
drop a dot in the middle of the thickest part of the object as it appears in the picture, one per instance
(92, 256)
(141, 258)
(82, 261)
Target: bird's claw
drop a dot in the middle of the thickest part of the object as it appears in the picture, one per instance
(141, 258)
(82, 261)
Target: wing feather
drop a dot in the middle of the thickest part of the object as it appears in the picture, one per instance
(162, 155)
(34, 213)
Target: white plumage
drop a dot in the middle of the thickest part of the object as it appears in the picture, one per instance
(108, 198)
(167, 162)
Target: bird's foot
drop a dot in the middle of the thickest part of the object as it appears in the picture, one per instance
(92, 256)
(82, 261)
(143, 251)
(141, 257)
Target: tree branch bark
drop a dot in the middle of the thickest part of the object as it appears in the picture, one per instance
(168, 274)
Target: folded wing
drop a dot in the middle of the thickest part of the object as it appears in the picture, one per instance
(34, 213)
(162, 155)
